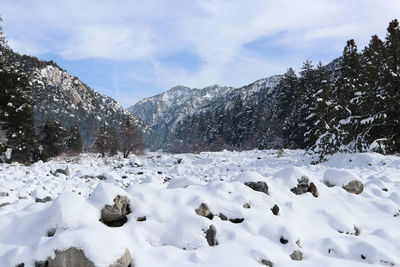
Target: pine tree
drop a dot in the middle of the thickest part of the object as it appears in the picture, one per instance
(17, 132)
(114, 143)
(103, 140)
(52, 138)
(74, 139)
(392, 86)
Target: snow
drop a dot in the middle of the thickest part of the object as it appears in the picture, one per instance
(335, 229)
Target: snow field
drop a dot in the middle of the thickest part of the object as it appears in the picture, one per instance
(336, 228)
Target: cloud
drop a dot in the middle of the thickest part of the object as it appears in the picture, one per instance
(218, 33)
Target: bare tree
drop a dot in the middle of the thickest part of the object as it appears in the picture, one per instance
(131, 139)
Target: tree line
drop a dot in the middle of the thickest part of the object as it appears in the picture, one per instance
(350, 105)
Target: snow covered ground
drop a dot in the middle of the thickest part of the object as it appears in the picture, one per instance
(336, 228)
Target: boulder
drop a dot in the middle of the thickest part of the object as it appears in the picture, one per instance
(303, 187)
(124, 261)
(4, 194)
(62, 171)
(296, 255)
(115, 215)
(211, 234)
(258, 186)
(204, 211)
(70, 257)
(355, 187)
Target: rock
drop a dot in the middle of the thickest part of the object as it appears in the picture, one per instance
(43, 200)
(4, 204)
(4, 194)
(283, 240)
(266, 263)
(124, 261)
(65, 171)
(236, 220)
(115, 216)
(70, 257)
(296, 255)
(302, 186)
(357, 231)
(258, 186)
(179, 161)
(355, 187)
(51, 232)
(204, 211)
(76, 257)
(222, 217)
(275, 209)
(141, 219)
(313, 190)
(246, 206)
(211, 234)
(27, 172)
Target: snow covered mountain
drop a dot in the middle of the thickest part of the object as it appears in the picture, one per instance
(164, 111)
(62, 96)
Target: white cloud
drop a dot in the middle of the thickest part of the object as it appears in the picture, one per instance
(216, 31)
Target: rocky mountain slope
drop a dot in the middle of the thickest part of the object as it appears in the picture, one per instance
(164, 111)
(62, 96)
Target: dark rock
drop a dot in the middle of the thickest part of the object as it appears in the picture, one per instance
(283, 240)
(124, 176)
(4, 204)
(385, 189)
(179, 161)
(159, 172)
(204, 211)
(101, 177)
(139, 173)
(258, 186)
(211, 234)
(51, 232)
(167, 179)
(65, 171)
(141, 219)
(356, 231)
(275, 209)
(302, 186)
(237, 220)
(43, 200)
(115, 216)
(296, 255)
(313, 190)
(4, 194)
(246, 206)
(266, 263)
(363, 257)
(20, 265)
(355, 187)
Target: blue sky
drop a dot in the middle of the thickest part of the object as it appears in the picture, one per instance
(130, 49)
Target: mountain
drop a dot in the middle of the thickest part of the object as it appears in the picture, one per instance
(62, 96)
(165, 111)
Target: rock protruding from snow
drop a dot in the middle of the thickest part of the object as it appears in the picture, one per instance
(115, 215)
(355, 187)
(275, 209)
(258, 186)
(204, 211)
(266, 263)
(124, 261)
(303, 186)
(211, 234)
(70, 257)
(296, 255)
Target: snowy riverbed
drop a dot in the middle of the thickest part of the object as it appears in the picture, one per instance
(337, 228)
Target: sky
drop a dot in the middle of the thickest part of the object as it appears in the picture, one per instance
(130, 49)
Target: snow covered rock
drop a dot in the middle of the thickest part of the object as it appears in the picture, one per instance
(258, 186)
(124, 261)
(70, 257)
(355, 187)
(303, 186)
(115, 216)
(204, 211)
(296, 255)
